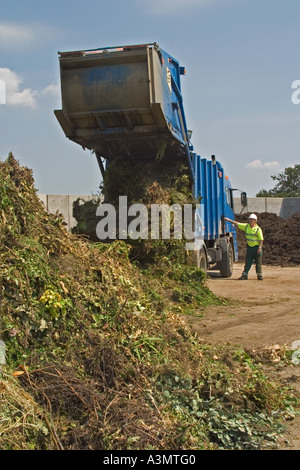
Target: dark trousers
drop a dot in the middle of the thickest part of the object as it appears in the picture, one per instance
(251, 256)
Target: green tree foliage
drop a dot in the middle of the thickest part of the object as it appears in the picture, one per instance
(288, 184)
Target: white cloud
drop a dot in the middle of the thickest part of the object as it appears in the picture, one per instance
(258, 164)
(272, 165)
(16, 96)
(53, 90)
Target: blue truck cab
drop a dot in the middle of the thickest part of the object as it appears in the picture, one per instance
(126, 101)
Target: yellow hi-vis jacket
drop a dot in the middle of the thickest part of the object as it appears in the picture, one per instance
(253, 235)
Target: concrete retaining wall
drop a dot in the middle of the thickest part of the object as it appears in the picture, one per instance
(63, 203)
(284, 207)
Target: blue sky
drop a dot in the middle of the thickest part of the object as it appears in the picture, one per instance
(241, 57)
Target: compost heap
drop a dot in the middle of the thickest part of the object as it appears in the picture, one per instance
(281, 239)
(98, 355)
(143, 182)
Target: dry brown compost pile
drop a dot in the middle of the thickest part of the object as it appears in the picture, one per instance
(98, 355)
(281, 239)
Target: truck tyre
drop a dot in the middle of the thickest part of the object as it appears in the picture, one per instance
(226, 265)
(202, 260)
(198, 259)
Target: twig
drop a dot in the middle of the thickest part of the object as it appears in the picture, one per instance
(54, 434)
(76, 393)
(108, 406)
(123, 306)
(50, 427)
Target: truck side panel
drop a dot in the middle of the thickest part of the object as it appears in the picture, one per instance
(210, 189)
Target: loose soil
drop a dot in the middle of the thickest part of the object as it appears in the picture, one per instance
(282, 239)
(260, 314)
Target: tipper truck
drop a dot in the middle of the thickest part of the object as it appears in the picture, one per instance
(126, 102)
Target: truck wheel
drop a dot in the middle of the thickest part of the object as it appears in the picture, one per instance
(226, 265)
(198, 259)
(202, 260)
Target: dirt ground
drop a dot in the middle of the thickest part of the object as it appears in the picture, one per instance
(262, 314)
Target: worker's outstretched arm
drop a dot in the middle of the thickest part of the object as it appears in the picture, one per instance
(232, 221)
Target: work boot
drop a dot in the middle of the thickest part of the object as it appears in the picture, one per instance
(243, 278)
(260, 278)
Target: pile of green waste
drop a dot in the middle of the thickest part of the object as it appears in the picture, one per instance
(161, 183)
(148, 182)
(97, 351)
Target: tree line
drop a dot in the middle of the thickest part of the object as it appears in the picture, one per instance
(287, 184)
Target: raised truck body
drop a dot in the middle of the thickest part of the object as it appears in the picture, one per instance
(127, 102)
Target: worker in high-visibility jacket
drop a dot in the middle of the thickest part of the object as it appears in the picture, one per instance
(254, 238)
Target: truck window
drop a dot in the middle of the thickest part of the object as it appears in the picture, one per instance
(229, 197)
